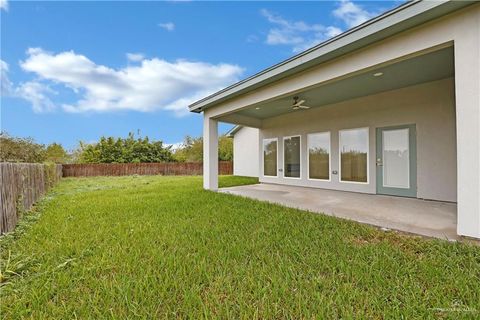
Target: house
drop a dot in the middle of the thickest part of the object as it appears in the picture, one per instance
(245, 151)
(391, 107)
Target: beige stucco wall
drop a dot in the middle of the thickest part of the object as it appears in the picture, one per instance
(245, 152)
(431, 106)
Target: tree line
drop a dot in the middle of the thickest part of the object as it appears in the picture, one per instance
(132, 149)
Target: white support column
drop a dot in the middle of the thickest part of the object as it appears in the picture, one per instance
(467, 95)
(210, 153)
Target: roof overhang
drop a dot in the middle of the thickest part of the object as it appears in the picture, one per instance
(399, 19)
(421, 68)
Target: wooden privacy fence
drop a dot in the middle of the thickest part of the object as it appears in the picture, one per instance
(21, 185)
(125, 169)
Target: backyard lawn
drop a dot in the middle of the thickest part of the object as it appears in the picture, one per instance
(161, 247)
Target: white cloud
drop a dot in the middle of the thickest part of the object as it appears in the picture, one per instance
(352, 14)
(37, 94)
(135, 57)
(169, 26)
(301, 35)
(298, 34)
(33, 91)
(4, 5)
(252, 38)
(175, 146)
(154, 84)
(6, 85)
(332, 31)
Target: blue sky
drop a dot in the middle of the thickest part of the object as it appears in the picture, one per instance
(75, 71)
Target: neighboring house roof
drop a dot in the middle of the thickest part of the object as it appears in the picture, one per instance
(231, 133)
(399, 19)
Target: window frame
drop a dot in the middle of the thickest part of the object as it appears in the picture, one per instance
(300, 156)
(329, 157)
(340, 156)
(263, 157)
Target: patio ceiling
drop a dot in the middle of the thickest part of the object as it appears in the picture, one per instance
(428, 67)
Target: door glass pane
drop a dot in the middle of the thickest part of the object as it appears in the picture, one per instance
(396, 158)
(319, 155)
(270, 157)
(291, 150)
(354, 155)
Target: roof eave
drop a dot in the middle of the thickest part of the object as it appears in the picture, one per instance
(370, 30)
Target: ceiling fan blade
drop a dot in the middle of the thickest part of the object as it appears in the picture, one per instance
(298, 103)
(295, 107)
(304, 107)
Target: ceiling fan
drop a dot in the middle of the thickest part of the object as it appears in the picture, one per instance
(298, 104)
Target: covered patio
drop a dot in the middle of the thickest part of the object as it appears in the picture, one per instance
(392, 109)
(427, 218)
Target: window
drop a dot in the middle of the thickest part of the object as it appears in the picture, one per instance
(319, 156)
(270, 157)
(291, 157)
(354, 155)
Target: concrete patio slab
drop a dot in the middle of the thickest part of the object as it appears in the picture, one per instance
(428, 218)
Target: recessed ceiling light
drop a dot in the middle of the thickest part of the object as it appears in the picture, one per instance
(257, 108)
(378, 74)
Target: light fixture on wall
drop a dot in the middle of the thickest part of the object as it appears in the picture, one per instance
(378, 74)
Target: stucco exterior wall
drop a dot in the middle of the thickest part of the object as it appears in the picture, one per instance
(245, 152)
(431, 106)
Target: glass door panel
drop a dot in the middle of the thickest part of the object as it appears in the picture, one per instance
(397, 161)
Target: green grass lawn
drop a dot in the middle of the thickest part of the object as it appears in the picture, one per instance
(161, 247)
